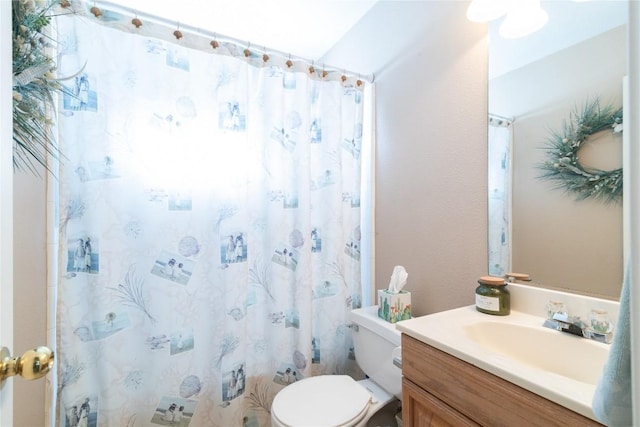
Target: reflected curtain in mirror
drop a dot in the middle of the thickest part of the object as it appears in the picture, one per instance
(499, 204)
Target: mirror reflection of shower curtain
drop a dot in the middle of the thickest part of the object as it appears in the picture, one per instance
(209, 236)
(499, 203)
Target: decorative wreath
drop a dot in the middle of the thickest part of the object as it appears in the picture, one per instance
(563, 165)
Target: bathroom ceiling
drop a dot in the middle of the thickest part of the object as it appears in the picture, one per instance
(310, 28)
(304, 28)
(570, 22)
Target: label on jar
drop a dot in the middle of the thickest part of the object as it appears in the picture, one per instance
(488, 303)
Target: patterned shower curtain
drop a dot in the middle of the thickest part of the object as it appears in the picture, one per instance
(209, 230)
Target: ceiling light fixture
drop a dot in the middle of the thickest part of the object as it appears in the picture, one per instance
(524, 17)
(487, 10)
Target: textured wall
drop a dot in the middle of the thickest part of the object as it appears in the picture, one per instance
(30, 290)
(430, 65)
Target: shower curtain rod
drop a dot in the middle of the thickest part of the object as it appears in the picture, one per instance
(369, 78)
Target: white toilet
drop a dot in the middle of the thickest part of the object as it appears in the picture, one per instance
(338, 400)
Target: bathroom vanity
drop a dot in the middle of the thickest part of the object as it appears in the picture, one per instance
(465, 368)
(441, 390)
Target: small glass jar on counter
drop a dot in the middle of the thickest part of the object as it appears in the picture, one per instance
(492, 296)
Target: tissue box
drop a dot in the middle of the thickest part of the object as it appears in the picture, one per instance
(394, 307)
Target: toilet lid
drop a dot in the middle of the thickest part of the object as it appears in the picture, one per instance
(326, 400)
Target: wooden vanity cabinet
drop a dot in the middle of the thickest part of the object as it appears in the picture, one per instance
(441, 390)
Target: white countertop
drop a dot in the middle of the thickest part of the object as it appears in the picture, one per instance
(449, 331)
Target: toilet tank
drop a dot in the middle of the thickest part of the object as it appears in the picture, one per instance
(374, 341)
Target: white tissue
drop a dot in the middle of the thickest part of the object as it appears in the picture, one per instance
(398, 279)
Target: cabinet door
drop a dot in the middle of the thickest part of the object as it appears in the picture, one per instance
(421, 409)
(486, 398)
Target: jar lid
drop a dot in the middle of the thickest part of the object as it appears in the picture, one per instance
(491, 281)
(518, 276)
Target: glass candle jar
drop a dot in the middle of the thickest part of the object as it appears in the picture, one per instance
(492, 296)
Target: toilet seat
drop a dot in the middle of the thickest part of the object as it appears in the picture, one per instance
(326, 400)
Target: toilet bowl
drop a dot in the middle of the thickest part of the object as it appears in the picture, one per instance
(339, 400)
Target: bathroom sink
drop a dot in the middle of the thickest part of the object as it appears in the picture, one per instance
(567, 355)
(561, 367)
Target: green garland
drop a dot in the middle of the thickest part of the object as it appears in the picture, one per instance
(563, 165)
(34, 85)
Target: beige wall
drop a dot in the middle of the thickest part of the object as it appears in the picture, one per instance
(431, 175)
(30, 290)
(562, 242)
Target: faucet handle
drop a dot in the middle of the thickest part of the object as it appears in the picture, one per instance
(600, 327)
(556, 307)
(599, 321)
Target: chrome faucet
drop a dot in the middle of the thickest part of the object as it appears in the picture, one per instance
(561, 321)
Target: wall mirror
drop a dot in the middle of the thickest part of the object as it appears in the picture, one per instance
(535, 84)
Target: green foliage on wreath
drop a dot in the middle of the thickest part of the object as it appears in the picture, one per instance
(34, 84)
(563, 165)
